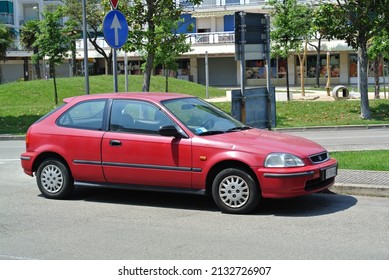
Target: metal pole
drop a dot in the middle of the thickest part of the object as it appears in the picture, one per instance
(84, 28)
(242, 53)
(126, 70)
(206, 76)
(115, 70)
(268, 74)
(243, 64)
(359, 71)
(268, 58)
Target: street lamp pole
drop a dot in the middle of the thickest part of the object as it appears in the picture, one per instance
(84, 28)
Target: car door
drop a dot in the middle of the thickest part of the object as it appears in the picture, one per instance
(134, 153)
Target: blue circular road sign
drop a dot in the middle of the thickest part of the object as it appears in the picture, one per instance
(115, 29)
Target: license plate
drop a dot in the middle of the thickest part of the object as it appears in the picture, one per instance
(329, 172)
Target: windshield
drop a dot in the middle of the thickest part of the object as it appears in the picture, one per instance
(201, 117)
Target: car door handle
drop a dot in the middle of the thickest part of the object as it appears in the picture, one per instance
(115, 143)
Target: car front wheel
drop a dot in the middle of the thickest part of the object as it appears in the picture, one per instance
(54, 179)
(234, 191)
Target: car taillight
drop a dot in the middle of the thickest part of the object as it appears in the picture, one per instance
(27, 140)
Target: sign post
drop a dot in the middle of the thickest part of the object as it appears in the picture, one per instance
(115, 29)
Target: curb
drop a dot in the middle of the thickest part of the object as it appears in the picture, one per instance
(9, 137)
(360, 189)
(340, 127)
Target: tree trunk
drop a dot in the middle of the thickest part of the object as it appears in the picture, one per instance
(302, 64)
(328, 73)
(37, 66)
(317, 70)
(147, 74)
(52, 74)
(362, 56)
(287, 80)
(167, 80)
(74, 59)
(377, 78)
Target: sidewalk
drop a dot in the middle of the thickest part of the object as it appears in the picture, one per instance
(361, 182)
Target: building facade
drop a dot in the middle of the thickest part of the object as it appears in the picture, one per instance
(213, 36)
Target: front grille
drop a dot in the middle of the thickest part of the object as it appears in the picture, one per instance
(319, 158)
(316, 184)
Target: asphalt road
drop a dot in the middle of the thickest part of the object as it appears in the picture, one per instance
(348, 139)
(117, 224)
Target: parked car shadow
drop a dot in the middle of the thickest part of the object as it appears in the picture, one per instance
(145, 198)
(304, 206)
(310, 205)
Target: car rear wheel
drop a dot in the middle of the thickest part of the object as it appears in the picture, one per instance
(234, 191)
(54, 179)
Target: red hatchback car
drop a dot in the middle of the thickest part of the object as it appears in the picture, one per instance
(170, 142)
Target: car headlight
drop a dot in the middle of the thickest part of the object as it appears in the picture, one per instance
(283, 160)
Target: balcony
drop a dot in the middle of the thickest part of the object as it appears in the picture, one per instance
(6, 18)
(209, 4)
(221, 3)
(211, 38)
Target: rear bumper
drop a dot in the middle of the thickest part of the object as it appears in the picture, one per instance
(26, 160)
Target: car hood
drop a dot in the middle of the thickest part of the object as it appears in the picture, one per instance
(262, 141)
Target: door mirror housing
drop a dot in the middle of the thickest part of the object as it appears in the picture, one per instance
(169, 130)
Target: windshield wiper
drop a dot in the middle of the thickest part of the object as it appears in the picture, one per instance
(211, 132)
(238, 128)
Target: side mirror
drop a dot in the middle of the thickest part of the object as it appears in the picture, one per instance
(169, 130)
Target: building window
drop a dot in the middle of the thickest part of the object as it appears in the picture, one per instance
(6, 12)
(310, 71)
(281, 68)
(353, 65)
(256, 69)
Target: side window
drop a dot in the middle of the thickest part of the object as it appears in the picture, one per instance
(137, 116)
(86, 115)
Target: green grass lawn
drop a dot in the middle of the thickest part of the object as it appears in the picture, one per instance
(325, 113)
(363, 160)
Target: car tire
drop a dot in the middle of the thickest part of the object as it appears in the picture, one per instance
(235, 191)
(54, 179)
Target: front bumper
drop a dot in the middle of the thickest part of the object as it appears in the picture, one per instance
(291, 182)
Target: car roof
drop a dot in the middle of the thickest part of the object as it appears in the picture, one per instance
(151, 96)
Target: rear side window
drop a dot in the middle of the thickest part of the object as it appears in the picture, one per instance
(85, 115)
(50, 113)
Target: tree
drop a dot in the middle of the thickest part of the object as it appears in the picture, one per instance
(378, 51)
(28, 35)
(172, 46)
(95, 12)
(5, 42)
(290, 28)
(152, 29)
(52, 41)
(357, 21)
(321, 25)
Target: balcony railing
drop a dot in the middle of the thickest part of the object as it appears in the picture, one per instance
(6, 18)
(193, 38)
(16, 46)
(220, 3)
(211, 38)
(223, 3)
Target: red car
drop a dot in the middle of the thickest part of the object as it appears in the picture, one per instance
(170, 142)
